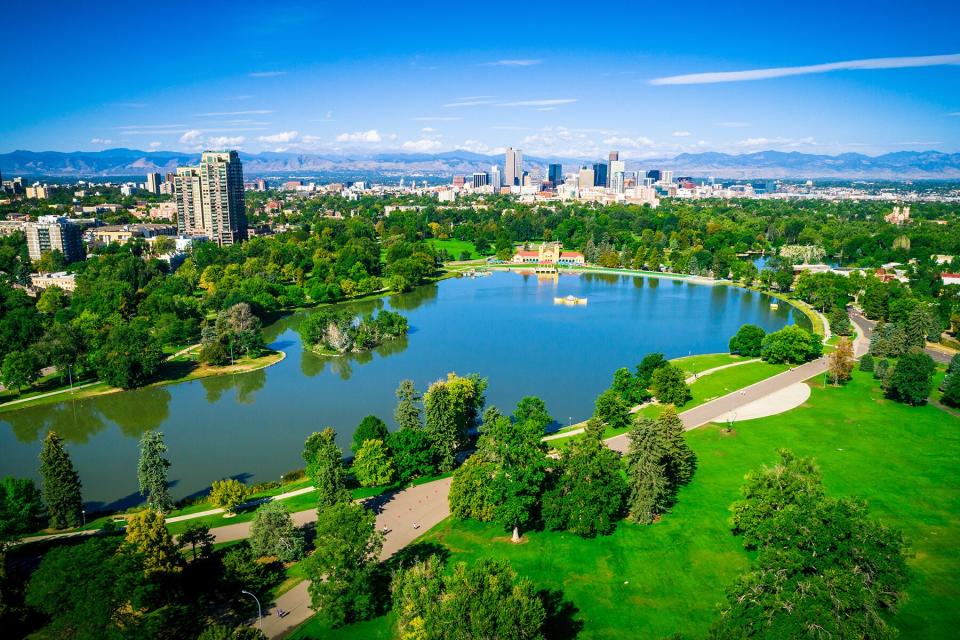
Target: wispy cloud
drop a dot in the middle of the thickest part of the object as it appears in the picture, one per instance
(780, 72)
(101, 141)
(538, 103)
(466, 103)
(777, 142)
(282, 137)
(525, 62)
(422, 145)
(156, 144)
(222, 142)
(249, 112)
(267, 74)
(681, 134)
(626, 141)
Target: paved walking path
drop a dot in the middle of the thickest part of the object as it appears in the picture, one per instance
(690, 380)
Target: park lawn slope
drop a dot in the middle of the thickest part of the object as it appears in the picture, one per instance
(666, 578)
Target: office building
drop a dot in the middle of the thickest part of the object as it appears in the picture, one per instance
(599, 174)
(210, 199)
(38, 191)
(495, 178)
(480, 179)
(51, 233)
(555, 174)
(614, 156)
(153, 182)
(586, 178)
(654, 174)
(666, 176)
(513, 167)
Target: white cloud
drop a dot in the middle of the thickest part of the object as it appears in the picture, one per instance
(780, 72)
(156, 144)
(422, 145)
(777, 142)
(428, 130)
(251, 112)
(266, 74)
(192, 136)
(475, 146)
(101, 141)
(625, 141)
(734, 124)
(371, 135)
(538, 103)
(681, 134)
(466, 103)
(282, 137)
(310, 139)
(513, 63)
(222, 142)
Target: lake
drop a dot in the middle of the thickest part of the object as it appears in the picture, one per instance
(505, 327)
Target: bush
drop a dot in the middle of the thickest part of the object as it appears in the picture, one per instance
(866, 363)
(227, 494)
(748, 341)
(951, 389)
(880, 368)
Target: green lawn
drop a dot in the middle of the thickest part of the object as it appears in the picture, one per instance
(702, 362)
(455, 247)
(654, 581)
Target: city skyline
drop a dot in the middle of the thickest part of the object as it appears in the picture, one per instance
(865, 78)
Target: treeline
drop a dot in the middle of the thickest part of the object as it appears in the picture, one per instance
(339, 330)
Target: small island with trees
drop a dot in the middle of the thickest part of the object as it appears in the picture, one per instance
(338, 331)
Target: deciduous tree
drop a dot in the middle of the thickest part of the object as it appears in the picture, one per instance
(228, 494)
(274, 534)
(372, 466)
(747, 341)
(840, 361)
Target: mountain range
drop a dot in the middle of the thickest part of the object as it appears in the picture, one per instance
(762, 164)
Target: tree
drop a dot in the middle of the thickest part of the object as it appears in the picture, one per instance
(951, 389)
(129, 356)
(669, 386)
(60, 484)
(881, 368)
(911, 379)
(659, 461)
(586, 497)
(650, 363)
(839, 321)
(370, 428)
(747, 341)
(274, 534)
(888, 341)
(919, 325)
(866, 363)
(792, 344)
(372, 465)
(840, 361)
(412, 454)
(147, 533)
(228, 494)
(325, 467)
(629, 387)
(470, 492)
(20, 369)
(407, 413)
(452, 407)
(343, 566)
(221, 632)
(152, 471)
(21, 508)
(238, 328)
(771, 489)
(197, 534)
(85, 589)
(486, 600)
(612, 410)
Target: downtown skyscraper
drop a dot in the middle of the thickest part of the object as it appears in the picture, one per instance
(210, 199)
(513, 167)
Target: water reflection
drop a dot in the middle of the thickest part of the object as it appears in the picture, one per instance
(313, 364)
(246, 385)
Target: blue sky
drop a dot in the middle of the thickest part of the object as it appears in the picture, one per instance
(554, 78)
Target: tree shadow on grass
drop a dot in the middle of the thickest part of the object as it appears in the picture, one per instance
(561, 622)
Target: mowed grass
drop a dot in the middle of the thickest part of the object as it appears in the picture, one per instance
(649, 582)
(455, 247)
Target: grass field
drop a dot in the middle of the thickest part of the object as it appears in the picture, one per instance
(455, 247)
(654, 581)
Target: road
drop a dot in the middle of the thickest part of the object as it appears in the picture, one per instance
(866, 326)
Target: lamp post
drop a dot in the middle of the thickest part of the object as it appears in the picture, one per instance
(84, 513)
(259, 610)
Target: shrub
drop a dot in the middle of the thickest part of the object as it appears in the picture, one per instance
(866, 363)
(227, 494)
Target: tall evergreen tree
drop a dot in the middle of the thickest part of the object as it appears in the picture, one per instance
(61, 484)
(659, 461)
(407, 413)
(325, 467)
(152, 471)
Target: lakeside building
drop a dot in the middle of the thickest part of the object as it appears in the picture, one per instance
(51, 233)
(62, 279)
(210, 200)
(549, 253)
(123, 233)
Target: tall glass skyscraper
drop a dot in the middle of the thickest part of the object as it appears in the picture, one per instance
(555, 174)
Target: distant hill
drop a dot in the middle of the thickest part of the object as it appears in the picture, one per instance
(762, 164)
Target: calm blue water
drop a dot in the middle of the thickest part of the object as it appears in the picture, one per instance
(505, 327)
